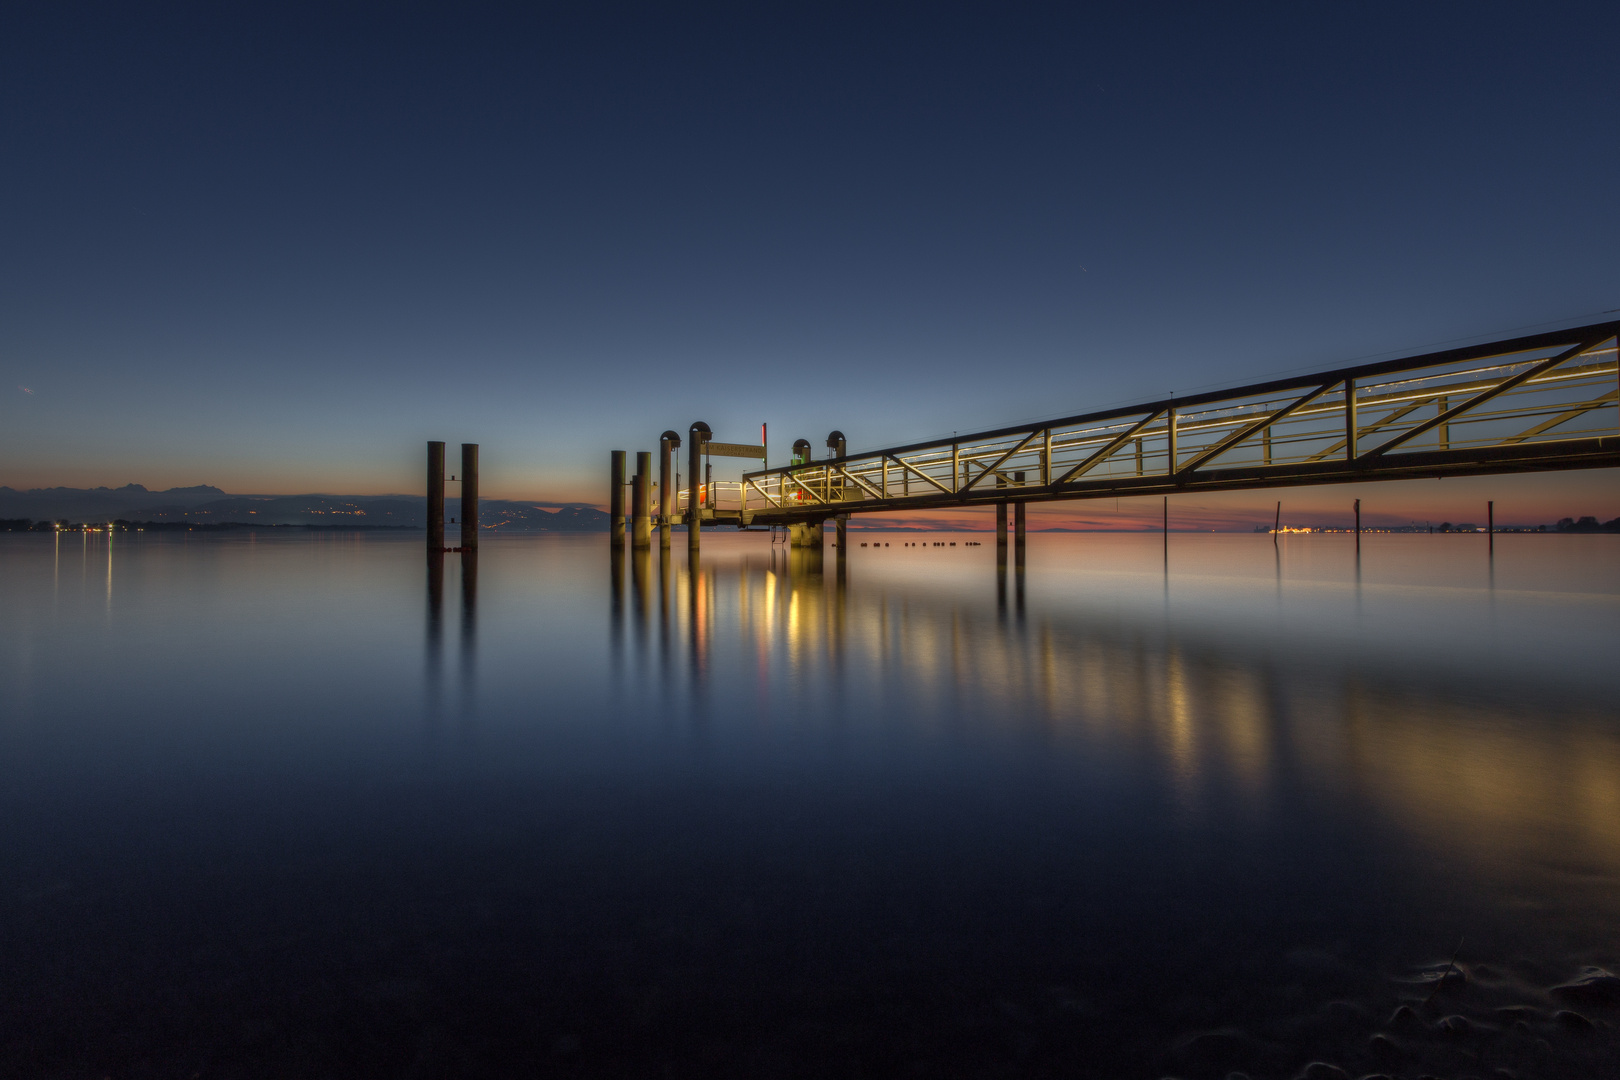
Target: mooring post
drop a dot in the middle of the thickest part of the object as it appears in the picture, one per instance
(640, 502)
(1001, 525)
(1167, 534)
(843, 534)
(1019, 522)
(435, 498)
(469, 497)
(1358, 526)
(667, 443)
(1490, 526)
(616, 499)
(696, 436)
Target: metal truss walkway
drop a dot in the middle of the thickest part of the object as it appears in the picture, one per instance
(1542, 402)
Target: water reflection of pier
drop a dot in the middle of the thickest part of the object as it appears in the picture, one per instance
(433, 668)
(774, 640)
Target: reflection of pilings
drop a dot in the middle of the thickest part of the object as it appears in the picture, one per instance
(435, 498)
(838, 628)
(640, 502)
(469, 498)
(469, 627)
(805, 563)
(616, 608)
(1019, 522)
(1001, 585)
(842, 540)
(641, 593)
(435, 617)
(664, 585)
(616, 499)
(696, 619)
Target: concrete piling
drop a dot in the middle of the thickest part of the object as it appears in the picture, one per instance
(696, 435)
(668, 442)
(1001, 525)
(616, 499)
(469, 497)
(805, 534)
(640, 502)
(435, 498)
(1019, 522)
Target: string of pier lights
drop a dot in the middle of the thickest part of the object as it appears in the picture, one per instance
(937, 543)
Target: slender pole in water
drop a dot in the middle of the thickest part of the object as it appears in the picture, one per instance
(1490, 526)
(1001, 525)
(1276, 526)
(641, 502)
(1167, 532)
(469, 497)
(1019, 523)
(696, 436)
(435, 498)
(667, 442)
(616, 499)
(1358, 525)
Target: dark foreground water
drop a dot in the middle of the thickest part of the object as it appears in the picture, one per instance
(286, 807)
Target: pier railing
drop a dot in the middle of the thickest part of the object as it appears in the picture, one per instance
(1544, 401)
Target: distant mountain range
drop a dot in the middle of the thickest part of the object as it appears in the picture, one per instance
(209, 505)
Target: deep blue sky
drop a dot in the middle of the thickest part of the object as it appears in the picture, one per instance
(276, 248)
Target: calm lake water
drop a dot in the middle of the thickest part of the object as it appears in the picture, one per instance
(286, 806)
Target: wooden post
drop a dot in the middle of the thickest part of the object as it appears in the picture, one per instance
(435, 497)
(469, 497)
(640, 502)
(695, 437)
(616, 499)
(1001, 525)
(1019, 522)
(666, 487)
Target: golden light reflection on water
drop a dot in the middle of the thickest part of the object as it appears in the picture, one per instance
(1486, 777)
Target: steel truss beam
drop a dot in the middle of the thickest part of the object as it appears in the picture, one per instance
(1534, 385)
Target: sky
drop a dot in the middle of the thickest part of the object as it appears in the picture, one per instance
(276, 248)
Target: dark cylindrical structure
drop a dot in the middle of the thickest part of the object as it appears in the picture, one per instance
(640, 502)
(668, 442)
(696, 436)
(1019, 521)
(435, 498)
(616, 499)
(843, 533)
(469, 496)
(1001, 524)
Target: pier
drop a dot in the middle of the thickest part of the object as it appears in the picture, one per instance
(1541, 402)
